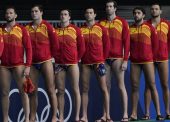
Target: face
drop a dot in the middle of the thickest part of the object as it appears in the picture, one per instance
(110, 9)
(90, 15)
(36, 14)
(64, 16)
(138, 15)
(155, 11)
(10, 15)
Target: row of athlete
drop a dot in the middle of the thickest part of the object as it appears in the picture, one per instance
(110, 41)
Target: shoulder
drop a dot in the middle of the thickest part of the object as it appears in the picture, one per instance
(74, 27)
(124, 21)
(47, 24)
(20, 27)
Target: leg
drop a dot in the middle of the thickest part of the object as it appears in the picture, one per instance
(5, 80)
(163, 74)
(19, 78)
(34, 74)
(150, 79)
(60, 84)
(108, 82)
(147, 100)
(119, 75)
(48, 73)
(103, 85)
(85, 77)
(135, 72)
(74, 78)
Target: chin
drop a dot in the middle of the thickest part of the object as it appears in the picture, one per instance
(154, 16)
(9, 20)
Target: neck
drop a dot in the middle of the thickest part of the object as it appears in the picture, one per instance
(111, 17)
(90, 23)
(64, 24)
(156, 20)
(37, 22)
(139, 23)
(11, 24)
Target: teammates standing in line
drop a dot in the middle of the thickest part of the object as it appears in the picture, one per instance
(143, 40)
(162, 27)
(103, 47)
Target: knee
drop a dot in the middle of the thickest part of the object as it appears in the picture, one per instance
(122, 88)
(76, 90)
(85, 89)
(152, 86)
(33, 95)
(135, 87)
(104, 90)
(165, 86)
(108, 83)
(22, 93)
(147, 87)
(4, 93)
(61, 92)
(51, 90)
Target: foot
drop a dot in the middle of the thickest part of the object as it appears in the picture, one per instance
(83, 120)
(31, 120)
(146, 117)
(159, 117)
(109, 120)
(26, 120)
(101, 120)
(167, 117)
(125, 119)
(54, 119)
(133, 118)
(59, 120)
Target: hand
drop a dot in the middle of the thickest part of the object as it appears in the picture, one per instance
(124, 66)
(27, 71)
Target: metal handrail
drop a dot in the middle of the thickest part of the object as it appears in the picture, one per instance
(55, 23)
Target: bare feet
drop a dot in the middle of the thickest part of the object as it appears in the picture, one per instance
(101, 120)
(84, 119)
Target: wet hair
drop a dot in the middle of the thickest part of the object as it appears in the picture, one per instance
(139, 8)
(11, 7)
(112, 1)
(157, 4)
(91, 8)
(69, 11)
(40, 7)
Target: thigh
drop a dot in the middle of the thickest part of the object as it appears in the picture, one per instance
(60, 79)
(85, 76)
(135, 72)
(48, 74)
(163, 72)
(118, 73)
(18, 74)
(5, 79)
(149, 73)
(34, 74)
(101, 79)
(108, 73)
(74, 74)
